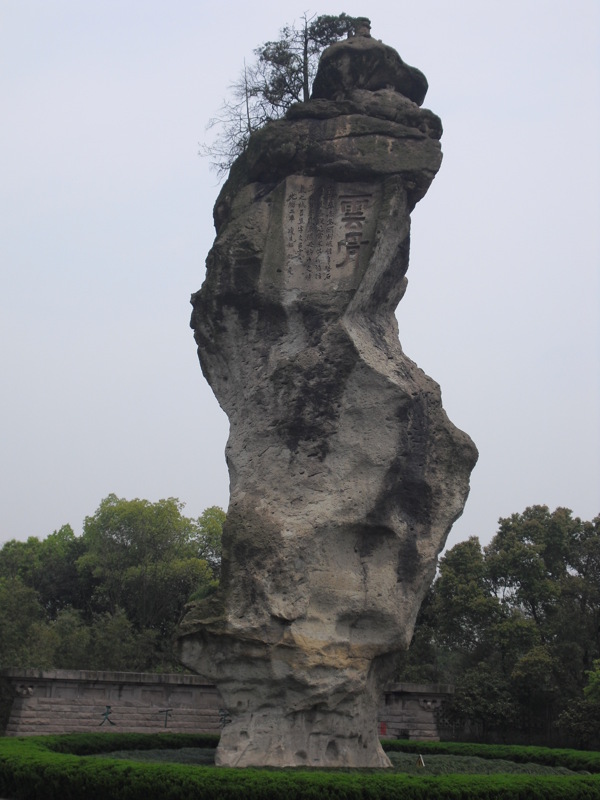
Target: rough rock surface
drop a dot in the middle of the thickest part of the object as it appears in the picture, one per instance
(346, 474)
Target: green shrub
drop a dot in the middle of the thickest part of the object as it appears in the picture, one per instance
(58, 768)
(83, 744)
(576, 760)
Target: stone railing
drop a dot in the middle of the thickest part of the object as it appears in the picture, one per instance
(75, 701)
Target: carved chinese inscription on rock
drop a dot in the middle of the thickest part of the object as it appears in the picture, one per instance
(354, 217)
(328, 233)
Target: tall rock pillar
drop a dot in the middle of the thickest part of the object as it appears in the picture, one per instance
(345, 473)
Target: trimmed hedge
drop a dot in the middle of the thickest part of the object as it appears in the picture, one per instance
(85, 744)
(577, 760)
(47, 768)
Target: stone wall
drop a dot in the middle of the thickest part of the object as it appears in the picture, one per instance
(74, 701)
(409, 710)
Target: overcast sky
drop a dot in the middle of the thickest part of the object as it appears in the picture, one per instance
(106, 219)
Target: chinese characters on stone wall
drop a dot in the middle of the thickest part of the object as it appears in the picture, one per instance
(353, 208)
(324, 232)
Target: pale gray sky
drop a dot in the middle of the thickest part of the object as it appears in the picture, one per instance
(105, 222)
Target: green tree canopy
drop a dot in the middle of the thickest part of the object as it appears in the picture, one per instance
(524, 612)
(281, 74)
(207, 538)
(147, 558)
(48, 566)
(581, 718)
(111, 598)
(21, 616)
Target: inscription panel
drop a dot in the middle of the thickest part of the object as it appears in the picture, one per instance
(328, 233)
(65, 692)
(155, 697)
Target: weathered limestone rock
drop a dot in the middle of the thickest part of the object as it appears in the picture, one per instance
(346, 474)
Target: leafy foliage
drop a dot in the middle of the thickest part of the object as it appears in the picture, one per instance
(48, 567)
(21, 614)
(207, 538)
(516, 627)
(281, 75)
(581, 719)
(111, 598)
(575, 760)
(47, 766)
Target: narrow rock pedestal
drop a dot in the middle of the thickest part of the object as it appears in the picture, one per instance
(346, 474)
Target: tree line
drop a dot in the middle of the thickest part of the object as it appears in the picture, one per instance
(110, 599)
(515, 627)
